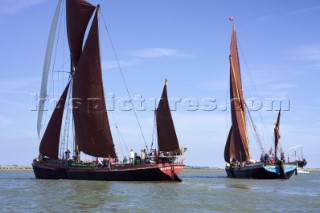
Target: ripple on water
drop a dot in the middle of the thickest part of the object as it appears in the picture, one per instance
(199, 192)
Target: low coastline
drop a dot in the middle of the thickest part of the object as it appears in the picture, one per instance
(15, 168)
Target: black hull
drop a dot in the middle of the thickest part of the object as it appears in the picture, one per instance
(147, 173)
(301, 163)
(259, 171)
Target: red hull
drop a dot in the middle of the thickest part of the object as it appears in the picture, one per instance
(124, 172)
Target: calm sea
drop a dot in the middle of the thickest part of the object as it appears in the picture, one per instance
(200, 191)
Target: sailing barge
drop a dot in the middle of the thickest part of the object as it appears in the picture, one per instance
(91, 125)
(237, 152)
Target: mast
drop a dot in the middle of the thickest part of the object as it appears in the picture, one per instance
(46, 67)
(277, 134)
(167, 137)
(78, 14)
(237, 142)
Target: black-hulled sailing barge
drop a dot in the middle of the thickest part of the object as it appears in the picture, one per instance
(296, 157)
(237, 152)
(91, 126)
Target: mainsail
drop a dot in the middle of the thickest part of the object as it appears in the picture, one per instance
(92, 130)
(49, 145)
(46, 67)
(237, 146)
(277, 134)
(167, 138)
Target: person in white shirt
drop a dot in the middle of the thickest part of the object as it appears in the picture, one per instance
(131, 156)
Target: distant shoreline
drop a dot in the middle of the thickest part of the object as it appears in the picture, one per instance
(188, 168)
(15, 168)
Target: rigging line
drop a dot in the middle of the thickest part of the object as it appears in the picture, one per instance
(64, 135)
(120, 142)
(124, 142)
(73, 137)
(119, 138)
(117, 128)
(254, 90)
(118, 131)
(124, 80)
(153, 129)
(256, 133)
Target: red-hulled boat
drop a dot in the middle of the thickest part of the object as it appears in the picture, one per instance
(92, 134)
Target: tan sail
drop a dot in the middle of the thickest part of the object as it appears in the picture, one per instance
(238, 133)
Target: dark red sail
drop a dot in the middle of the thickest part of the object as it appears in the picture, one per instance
(79, 13)
(167, 138)
(277, 134)
(93, 134)
(229, 152)
(238, 134)
(49, 145)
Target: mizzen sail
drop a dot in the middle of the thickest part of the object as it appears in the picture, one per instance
(167, 138)
(46, 67)
(277, 134)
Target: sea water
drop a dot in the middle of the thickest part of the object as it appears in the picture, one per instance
(200, 191)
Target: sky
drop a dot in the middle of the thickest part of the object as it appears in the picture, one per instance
(186, 42)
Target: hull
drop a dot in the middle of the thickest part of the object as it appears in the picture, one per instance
(301, 163)
(261, 171)
(147, 172)
(302, 171)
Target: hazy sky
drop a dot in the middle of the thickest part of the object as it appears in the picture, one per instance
(187, 42)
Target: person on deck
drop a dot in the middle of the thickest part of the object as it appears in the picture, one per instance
(67, 154)
(143, 156)
(111, 161)
(125, 160)
(131, 156)
(282, 157)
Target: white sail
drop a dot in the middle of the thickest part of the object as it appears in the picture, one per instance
(46, 67)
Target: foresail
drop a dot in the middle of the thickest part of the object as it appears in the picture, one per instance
(78, 16)
(92, 129)
(239, 132)
(167, 138)
(277, 133)
(49, 145)
(46, 67)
